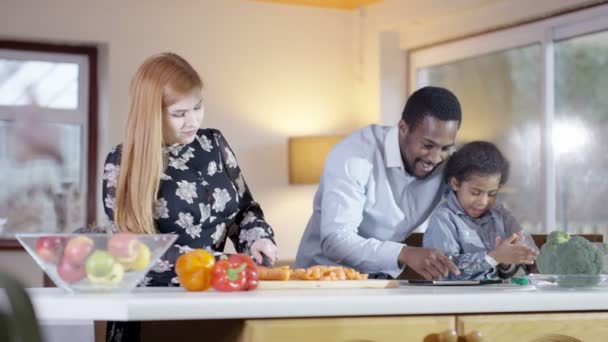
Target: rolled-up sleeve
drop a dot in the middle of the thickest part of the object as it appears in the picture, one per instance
(249, 222)
(512, 226)
(344, 197)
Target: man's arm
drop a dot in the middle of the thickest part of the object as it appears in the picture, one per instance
(342, 206)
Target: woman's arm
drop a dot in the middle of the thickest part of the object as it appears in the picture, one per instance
(250, 225)
(110, 179)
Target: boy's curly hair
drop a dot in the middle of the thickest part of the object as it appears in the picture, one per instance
(477, 158)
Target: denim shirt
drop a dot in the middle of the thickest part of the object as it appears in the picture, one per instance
(467, 240)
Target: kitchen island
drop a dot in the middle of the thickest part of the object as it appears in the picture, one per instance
(412, 313)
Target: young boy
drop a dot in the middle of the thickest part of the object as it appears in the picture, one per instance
(481, 237)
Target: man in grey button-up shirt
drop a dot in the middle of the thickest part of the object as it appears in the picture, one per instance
(378, 185)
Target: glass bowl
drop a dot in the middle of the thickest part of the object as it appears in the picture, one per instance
(603, 248)
(566, 281)
(96, 262)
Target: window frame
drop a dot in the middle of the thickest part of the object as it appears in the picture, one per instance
(83, 55)
(546, 33)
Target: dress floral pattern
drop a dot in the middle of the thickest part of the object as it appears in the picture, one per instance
(202, 197)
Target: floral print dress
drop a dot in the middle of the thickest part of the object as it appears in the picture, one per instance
(203, 198)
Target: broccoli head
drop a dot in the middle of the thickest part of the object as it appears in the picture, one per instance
(557, 237)
(546, 258)
(578, 256)
(565, 255)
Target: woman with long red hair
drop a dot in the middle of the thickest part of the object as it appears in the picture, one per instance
(172, 176)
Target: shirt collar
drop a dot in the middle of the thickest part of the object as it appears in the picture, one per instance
(392, 151)
(174, 150)
(454, 206)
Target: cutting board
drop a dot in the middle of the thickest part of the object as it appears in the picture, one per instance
(328, 284)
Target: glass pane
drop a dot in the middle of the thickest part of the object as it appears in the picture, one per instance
(70, 144)
(28, 209)
(500, 98)
(581, 76)
(4, 132)
(48, 84)
(71, 150)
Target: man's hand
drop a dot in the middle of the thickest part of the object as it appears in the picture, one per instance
(428, 262)
(512, 251)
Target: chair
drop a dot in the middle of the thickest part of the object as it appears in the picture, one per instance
(415, 240)
(19, 324)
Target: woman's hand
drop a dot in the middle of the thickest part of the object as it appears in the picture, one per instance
(266, 247)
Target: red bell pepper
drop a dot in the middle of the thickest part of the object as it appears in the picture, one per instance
(235, 273)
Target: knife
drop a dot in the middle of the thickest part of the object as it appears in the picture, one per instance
(450, 282)
(266, 261)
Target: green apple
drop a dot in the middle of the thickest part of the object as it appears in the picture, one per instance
(114, 277)
(99, 264)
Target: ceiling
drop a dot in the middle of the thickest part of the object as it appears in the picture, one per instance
(339, 4)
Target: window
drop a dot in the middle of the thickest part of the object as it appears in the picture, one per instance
(60, 82)
(537, 92)
(500, 99)
(581, 114)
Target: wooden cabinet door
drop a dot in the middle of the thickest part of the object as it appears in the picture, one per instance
(570, 327)
(365, 329)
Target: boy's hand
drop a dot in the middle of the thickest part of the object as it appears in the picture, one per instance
(512, 251)
(428, 262)
(519, 238)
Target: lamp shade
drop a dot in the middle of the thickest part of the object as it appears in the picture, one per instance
(307, 157)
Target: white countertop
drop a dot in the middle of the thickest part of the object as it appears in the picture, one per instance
(176, 304)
